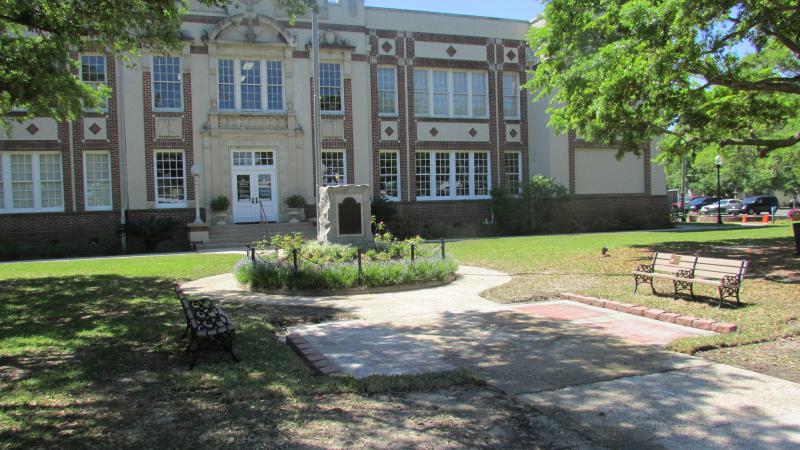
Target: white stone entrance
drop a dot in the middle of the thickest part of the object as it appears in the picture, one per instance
(254, 184)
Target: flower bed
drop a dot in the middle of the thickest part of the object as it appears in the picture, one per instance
(291, 262)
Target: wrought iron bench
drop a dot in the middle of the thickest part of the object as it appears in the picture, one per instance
(205, 324)
(686, 270)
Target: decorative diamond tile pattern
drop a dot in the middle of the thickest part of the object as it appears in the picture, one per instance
(95, 128)
(434, 132)
(387, 47)
(389, 131)
(511, 55)
(451, 51)
(32, 129)
(473, 132)
(513, 133)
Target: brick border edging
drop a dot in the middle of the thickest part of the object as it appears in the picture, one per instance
(657, 314)
(311, 356)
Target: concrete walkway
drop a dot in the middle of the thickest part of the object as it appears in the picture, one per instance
(598, 371)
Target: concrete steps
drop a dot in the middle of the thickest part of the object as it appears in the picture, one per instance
(239, 236)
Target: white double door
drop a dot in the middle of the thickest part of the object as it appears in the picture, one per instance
(254, 183)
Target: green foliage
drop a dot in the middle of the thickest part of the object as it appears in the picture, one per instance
(388, 245)
(36, 72)
(286, 242)
(220, 204)
(151, 232)
(383, 210)
(328, 253)
(531, 211)
(272, 275)
(627, 71)
(295, 201)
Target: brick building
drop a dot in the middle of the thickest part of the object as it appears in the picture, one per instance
(424, 107)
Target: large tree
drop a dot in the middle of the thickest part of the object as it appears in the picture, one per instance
(36, 36)
(721, 72)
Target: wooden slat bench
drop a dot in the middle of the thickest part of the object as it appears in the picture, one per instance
(686, 270)
(206, 324)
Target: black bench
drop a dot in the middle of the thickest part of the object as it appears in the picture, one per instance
(206, 324)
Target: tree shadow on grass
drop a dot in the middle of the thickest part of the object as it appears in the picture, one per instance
(83, 357)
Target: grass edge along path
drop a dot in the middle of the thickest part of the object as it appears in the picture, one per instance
(545, 266)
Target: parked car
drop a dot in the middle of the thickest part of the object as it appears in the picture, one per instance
(728, 205)
(758, 204)
(699, 202)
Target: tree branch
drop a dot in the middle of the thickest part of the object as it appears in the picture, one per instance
(786, 85)
(764, 144)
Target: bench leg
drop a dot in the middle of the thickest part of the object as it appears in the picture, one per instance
(640, 279)
(228, 345)
(196, 354)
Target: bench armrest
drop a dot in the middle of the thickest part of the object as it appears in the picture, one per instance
(685, 273)
(730, 280)
(645, 268)
(201, 304)
(213, 320)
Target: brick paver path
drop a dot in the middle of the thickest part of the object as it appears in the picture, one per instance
(597, 370)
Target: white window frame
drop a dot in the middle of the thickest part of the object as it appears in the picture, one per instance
(396, 155)
(518, 155)
(393, 69)
(110, 205)
(153, 84)
(263, 87)
(94, 84)
(344, 166)
(450, 93)
(170, 205)
(452, 175)
(514, 95)
(340, 111)
(5, 174)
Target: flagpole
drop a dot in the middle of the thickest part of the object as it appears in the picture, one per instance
(316, 119)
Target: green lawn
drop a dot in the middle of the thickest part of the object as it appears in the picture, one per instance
(90, 356)
(545, 266)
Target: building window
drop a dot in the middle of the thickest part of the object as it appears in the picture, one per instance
(167, 93)
(254, 94)
(170, 179)
(93, 73)
(97, 180)
(387, 91)
(450, 93)
(421, 97)
(330, 87)
(31, 182)
(452, 175)
(274, 85)
(510, 96)
(333, 168)
(514, 172)
(250, 74)
(227, 85)
(390, 174)
(423, 180)
(460, 94)
(478, 95)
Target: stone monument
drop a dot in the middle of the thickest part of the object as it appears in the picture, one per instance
(345, 215)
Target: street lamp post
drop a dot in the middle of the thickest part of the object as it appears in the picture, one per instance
(718, 163)
(195, 170)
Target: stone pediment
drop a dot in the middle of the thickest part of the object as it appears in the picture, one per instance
(250, 28)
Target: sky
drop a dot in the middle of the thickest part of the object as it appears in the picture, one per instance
(506, 9)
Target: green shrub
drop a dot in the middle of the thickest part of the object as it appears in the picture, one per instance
(220, 204)
(533, 210)
(295, 201)
(286, 242)
(151, 232)
(328, 253)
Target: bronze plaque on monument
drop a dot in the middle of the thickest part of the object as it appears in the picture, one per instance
(349, 216)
